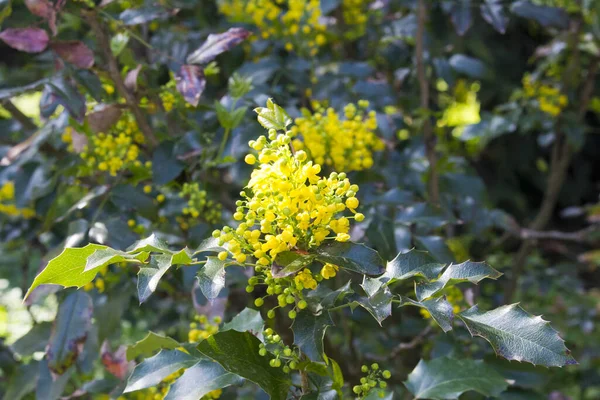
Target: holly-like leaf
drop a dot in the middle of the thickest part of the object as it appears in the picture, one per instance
(153, 370)
(200, 379)
(70, 331)
(273, 116)
(150, 244)
(216, 44)
(237, 353)
(211, 278)
(29, 40)
(465, 272)
(323, 297)
(379, 305)
(148, 345)
(448, 378)
(165, 165)
(149, 276)
(67, 269)
(404, 266)
(351, 256)
(210, 244)
(517, 335)
(309, 331)
(493, 13)
(74, 52)
(190, 83)
(248, 320)
(289, 262)
(440, 310)
(104, 257)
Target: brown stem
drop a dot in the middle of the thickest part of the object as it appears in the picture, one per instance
(428, 135)
(412, 344)
(115, 75)
(23, 119)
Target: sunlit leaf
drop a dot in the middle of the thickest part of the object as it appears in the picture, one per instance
(216, 44)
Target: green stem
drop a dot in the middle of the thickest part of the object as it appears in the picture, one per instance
(339, 307)
(223, 143)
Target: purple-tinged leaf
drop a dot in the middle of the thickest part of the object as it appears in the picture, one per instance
(74, 52)
(145, 14)
(131, 78)
(216, 44)
(103, 118)
(44, 9)
(116, 362)
(190, 83)
(29, 40)
(70, 331)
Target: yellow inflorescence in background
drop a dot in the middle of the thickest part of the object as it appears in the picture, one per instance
(355, 16)
(346, 143)
(7, 202)
(202, 328)
(550, 99)
(296, 22)
(112, 151)
(199, 207)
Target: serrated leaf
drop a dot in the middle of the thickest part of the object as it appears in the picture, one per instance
(67, 269)
(465, 272)
(165, 165)
(200, 379)
(379, 305)
(493, 13)
(448, 378)
(404, 266)
(210, 244)
(440, 310)
(326, 298)
(104, 257)
(148, 345)
(153, 370)
(149, 244)
(351, 256)
(517, 335)
(238, 353)
(190, 83)
(309, 330)
(289, 262)
(70, 331)
(211, 278)
(216, 44)
(149, 276)
(248, 320)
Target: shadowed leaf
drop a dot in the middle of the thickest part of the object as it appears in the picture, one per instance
(190, 83)
(201, 379)
(216, 44)
(29, 40)
(153, 370)
(309, 331)
(493, 13)
(351, 256)
(74, 52)
(440, 310)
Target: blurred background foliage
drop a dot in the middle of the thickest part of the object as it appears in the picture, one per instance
(112, 127)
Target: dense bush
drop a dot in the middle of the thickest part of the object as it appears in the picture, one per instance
(313, 199)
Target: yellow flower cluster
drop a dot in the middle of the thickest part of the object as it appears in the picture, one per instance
(346, 143)
(7, 202)
(198, 205)
(202, 328)
(550, 99)
(113, 151)
(355, 17)
(168, 100)
(461, 107)
(297, 22)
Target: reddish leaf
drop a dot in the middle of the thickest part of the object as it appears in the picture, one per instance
(44, 9)
(216, 44)
(30, 40)
(74, 52)
(190, 83)
(104, 117)
(115, 362)
(131, 78)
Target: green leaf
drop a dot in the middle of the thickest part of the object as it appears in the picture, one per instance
(517, 335)
(34, 340)
(200, 379)
(70, 331)
(323, 297)
(104, 257)
(351, 256)
(404, 266)
(165, 165)
(50, 387)
(465, 272)
(309, 330)
(441, 311)
(150, 244)
(210, 244)
(211, 278)
(436, 246)
(273, 116)
(289, 262)
(238, 353)
(447, 378)
(223, 115)
(336, 375)
(379, 305)
(148, 277)
(248, 320)
(22, 381)
(118, 43)
(148, 345)
(153, 370)
(237, 116)
(67, 269)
